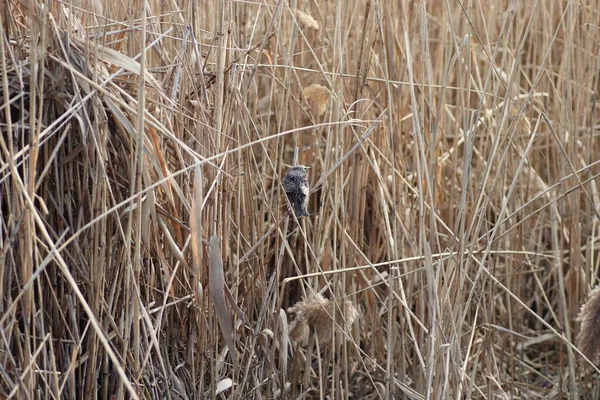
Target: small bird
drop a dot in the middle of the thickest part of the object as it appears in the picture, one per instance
(295, 185)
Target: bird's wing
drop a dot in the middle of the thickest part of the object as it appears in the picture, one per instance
(288, 184)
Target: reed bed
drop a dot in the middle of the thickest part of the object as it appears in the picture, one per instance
(147, 249)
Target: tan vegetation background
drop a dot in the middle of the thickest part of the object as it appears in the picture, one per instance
(146, 250)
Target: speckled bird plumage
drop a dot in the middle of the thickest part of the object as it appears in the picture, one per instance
(296, 188)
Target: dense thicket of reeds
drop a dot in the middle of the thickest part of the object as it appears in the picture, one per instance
(146, 250)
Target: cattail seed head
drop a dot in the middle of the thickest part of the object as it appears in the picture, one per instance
(588, 339)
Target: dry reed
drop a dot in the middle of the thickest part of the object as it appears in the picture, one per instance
(145, 248)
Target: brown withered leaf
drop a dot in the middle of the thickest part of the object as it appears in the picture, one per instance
(285, 338)
(196, 223)
(216, 285)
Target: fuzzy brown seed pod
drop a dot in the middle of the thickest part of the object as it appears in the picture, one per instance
(317, 97)
(588, 339)
(306, 20)
(316, 313)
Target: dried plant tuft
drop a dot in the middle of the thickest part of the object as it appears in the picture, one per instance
(317, 97)
(588, 339)
(316, 313)
(307, 20)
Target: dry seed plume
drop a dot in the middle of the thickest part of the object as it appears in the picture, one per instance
(588, 339)
(317, 97)
(316, 313)
(296, 188)
(307, 20)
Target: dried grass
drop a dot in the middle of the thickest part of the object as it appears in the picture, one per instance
(145, 246)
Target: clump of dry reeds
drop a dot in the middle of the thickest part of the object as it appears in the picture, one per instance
(145, 246)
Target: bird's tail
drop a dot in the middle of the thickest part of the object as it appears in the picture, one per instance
(300, 211)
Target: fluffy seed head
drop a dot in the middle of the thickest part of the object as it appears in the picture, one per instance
(316, 313)
(588, 339)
